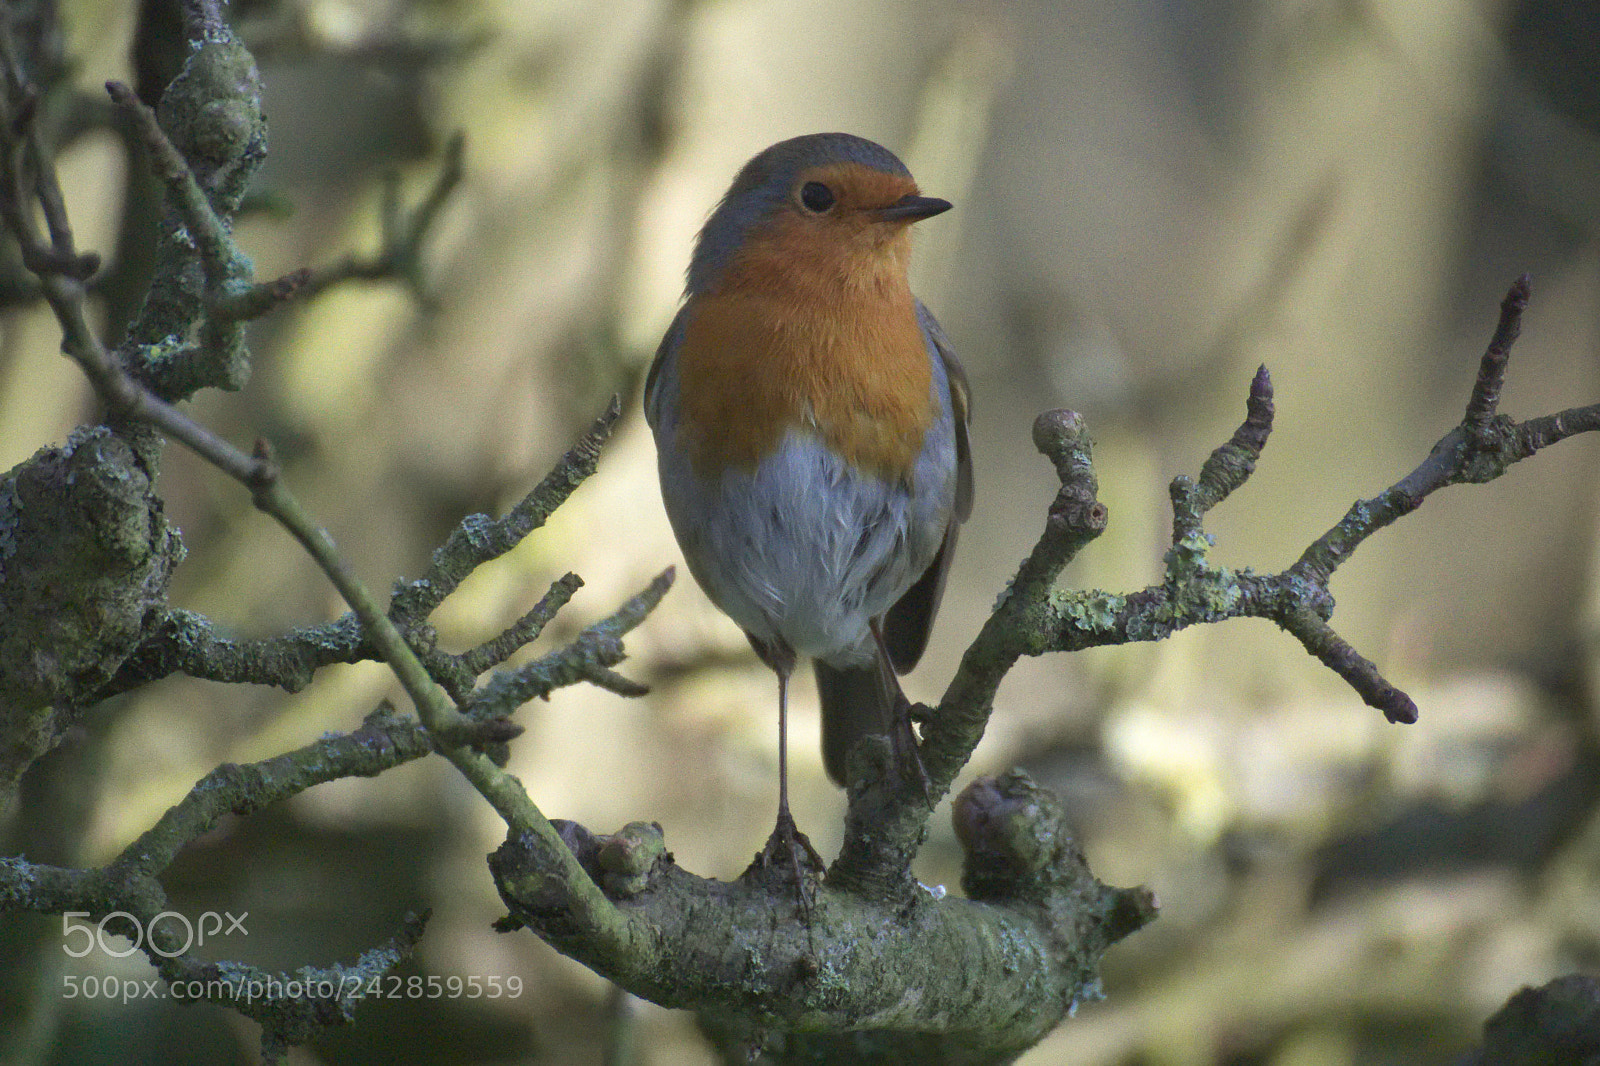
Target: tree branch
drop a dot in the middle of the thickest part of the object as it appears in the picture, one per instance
(290, 1007)
(1194, 591)
(835, 986)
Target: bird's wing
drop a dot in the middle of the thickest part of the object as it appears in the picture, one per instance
(908, 623)
(670, 343)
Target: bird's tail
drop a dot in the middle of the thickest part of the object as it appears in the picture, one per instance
(857, 701)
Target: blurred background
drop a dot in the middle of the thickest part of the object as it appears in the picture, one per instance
(1151, 200)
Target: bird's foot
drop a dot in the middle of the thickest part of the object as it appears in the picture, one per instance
(790, 856)
(907, 754)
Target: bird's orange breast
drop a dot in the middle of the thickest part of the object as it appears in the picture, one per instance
(825, 338)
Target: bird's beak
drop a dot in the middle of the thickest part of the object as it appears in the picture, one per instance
(912, 209)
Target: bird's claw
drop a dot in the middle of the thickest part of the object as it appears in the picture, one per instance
(907, 753)
(788, 852)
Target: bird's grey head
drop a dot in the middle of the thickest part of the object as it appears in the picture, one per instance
(765, 183)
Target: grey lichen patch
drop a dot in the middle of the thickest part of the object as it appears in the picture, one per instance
(212, 113)
(1094, 611)
(161, 356)
(1190, 554)
(1491, 451)
(1305, 592)
(90, 557)
(1210, 595)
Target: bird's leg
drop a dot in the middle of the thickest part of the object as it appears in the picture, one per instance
(902, 739)
(786, 836)
(784, 817)
(787, 844)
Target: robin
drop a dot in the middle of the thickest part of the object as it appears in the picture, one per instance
(811, 427)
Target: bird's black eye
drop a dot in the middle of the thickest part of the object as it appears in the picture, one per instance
(816, 197)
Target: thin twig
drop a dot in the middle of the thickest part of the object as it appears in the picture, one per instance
(1485, 399)
(589, 657)
(403, 236)
(208, 232)
(478, 538)
(525, 630)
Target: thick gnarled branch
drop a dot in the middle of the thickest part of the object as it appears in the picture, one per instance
(834, 986)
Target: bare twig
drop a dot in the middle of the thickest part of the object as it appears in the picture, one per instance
(588, 658)
(1336, 654)
(1033, 617)
(1230, 466)
(477, 539)
(1480, 449)
(403, 235)
(1492, 370)
(259, 299)
(525, 630)
(209, 233)
(129, 886)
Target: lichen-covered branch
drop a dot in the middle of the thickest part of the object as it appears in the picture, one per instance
(384, 741)
(205, 145)
(186, 642)
(206, 141)
(876, 967)
(862, 979)
(81, 517)
(1034, 617)
(455, 735)
(1559, 1022)
(887, 817)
